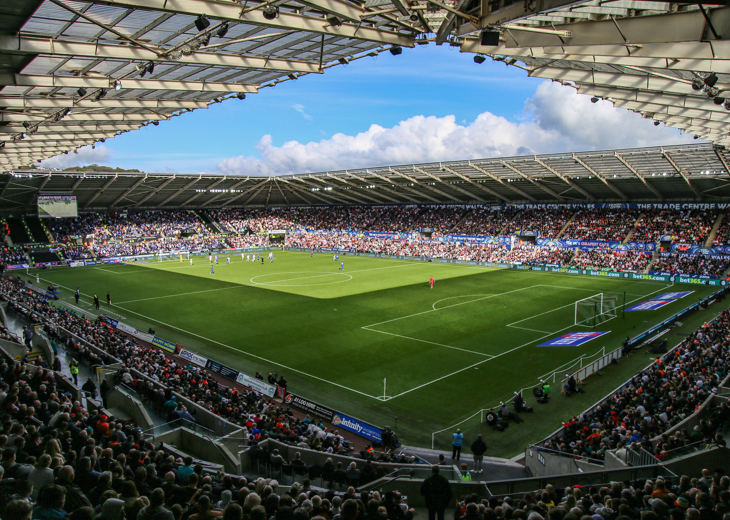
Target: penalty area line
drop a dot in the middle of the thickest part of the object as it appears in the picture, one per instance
(663, 288)
(429, 342)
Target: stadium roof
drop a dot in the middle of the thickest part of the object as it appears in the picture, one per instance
(677, 173)
(74, 73)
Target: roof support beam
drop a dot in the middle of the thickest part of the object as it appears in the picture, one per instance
(127, 192)
(246, 192)
(83, 117)
(219, 195)
(98, 192)
(416, 181)
(155, 191)
(178, 192)
(407, 188)
(452, 186)
(371, 197)
(340, 197)
(231, 11)
(564, 178)
(31, 45)
(368, 183)
(505, 184)
(37, 102)
(533, 181)
(198, 194)
(638, 175)
(23, 80)
(600, 177)
(680, 172)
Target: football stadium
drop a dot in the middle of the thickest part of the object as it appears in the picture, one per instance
(491, 319)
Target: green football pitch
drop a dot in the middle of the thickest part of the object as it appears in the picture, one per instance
(339, 335)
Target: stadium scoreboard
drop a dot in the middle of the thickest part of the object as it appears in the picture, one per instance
(57, 206)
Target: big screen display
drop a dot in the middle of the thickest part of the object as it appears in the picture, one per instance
(57, 206)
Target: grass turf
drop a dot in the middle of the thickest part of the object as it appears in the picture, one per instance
(336, 335)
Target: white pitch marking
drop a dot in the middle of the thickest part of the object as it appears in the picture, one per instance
(429, 342)
(508, 351)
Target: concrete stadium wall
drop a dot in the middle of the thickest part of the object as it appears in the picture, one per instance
(203, 448)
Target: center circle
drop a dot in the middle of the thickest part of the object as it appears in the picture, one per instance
(304, 279)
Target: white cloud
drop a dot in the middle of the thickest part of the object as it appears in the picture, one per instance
(87, 155)
(556, 119)
(300, 108)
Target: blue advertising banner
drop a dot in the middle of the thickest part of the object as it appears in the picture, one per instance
(650, 305)
(574, 339)
(222, 370)
(672, 295)
(164, 344)
(362, 429)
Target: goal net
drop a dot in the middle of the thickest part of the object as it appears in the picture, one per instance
(180, 256)
(595, 309)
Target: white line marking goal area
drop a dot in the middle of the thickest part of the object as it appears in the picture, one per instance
(445, 310)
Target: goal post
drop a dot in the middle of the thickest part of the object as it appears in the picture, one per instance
(595, 309)
(179, 256)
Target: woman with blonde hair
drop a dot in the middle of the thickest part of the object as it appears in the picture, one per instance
(54, 450)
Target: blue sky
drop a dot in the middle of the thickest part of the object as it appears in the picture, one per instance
(469, 110)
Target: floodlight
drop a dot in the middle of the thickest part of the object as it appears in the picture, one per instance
(414, 18)
(656, 123)
(712, 92)
(726, 104)
(241, 95)
(396, 50)
(2, 144)
(697, 84)
(697, 137)
(117, 85)
(595, 99)
(334, 21)
(150, 67)
(222, 30)
(343, 61)
(711, 80)
(201, 23)
(270, 12)
(718, 100)
(479, 59)
(291, 76)
(156, 123)
(26, 124)
(99, 95)
(103, 139)
(22, 135)
(81, 91)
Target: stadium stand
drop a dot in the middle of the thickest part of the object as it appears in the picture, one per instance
(686, 226)
(347, 228)
(601, 224)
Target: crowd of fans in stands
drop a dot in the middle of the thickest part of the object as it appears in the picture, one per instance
(691, 264)
(13, 257)
(613, 260)
(686, 226)
(145, 247)
(133, 224)
(485, 222)
(601, 224)
(546, 223)
(642, 413)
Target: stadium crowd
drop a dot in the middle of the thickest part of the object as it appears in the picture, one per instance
(485, 222)
(120, 225)
(649, 405)
(13, 257)
(686, 226)
(613, 260)
(601, 224)
(691, 264)
(546, 223)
